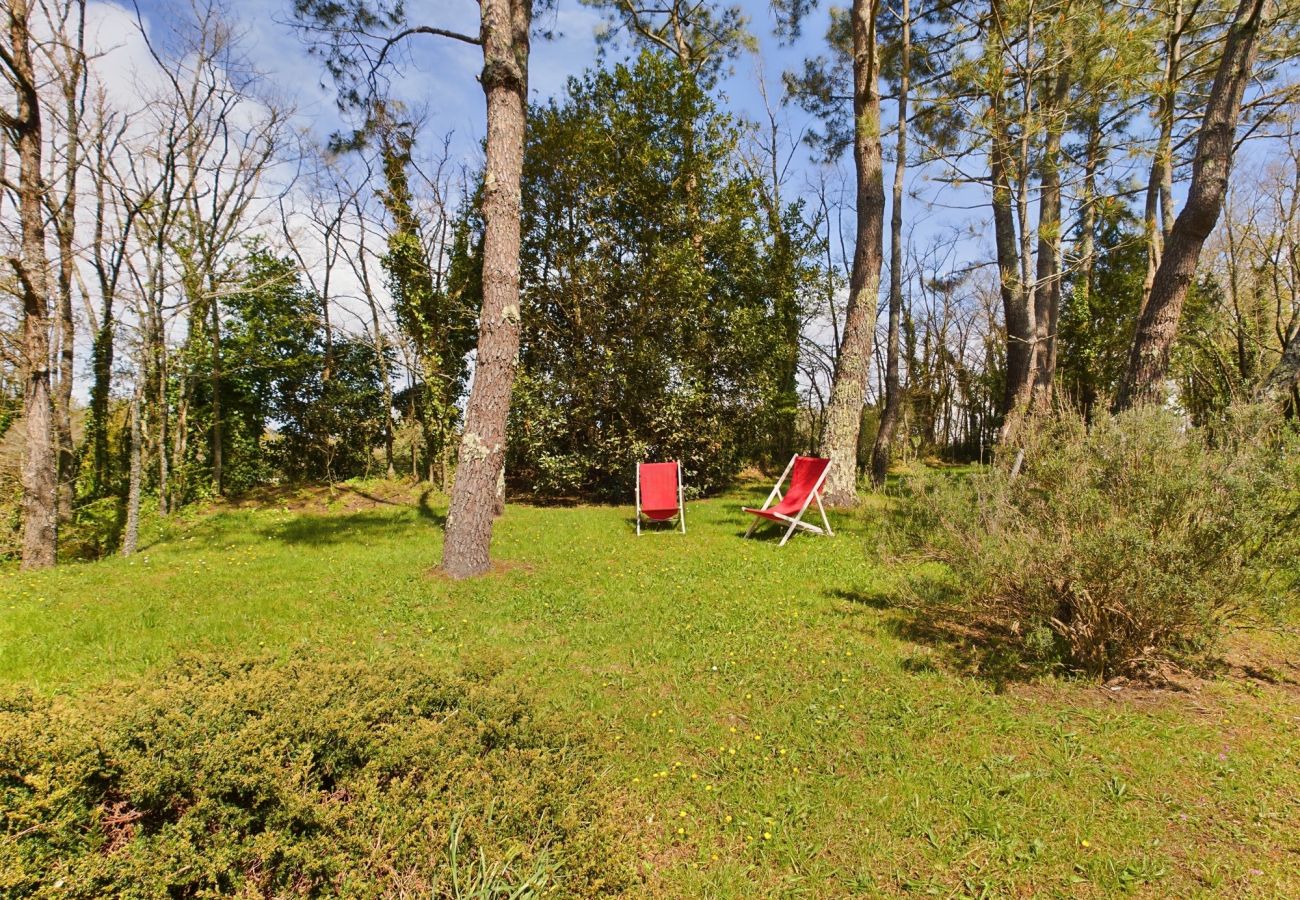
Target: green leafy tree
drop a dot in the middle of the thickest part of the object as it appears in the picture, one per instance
(650, 314)
(325, 428)
(433, 315)
(1100, 308)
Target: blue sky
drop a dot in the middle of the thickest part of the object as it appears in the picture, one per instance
(439, 74)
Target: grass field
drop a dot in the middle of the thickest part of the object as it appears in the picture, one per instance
(772, 724)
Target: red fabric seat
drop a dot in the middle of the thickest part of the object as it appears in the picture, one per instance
(806, 474)
(658, 490)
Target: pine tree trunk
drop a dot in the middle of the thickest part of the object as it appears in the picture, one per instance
(883, 449)
(505, 32)
(1087, 255)
(1158, 324)
(67, 333)
(40, 457)
(853, 363)
(1018, 313)
(1047, 295)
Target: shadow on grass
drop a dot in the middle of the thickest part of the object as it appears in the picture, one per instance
(427, 511)
(335, 529)
(961, 644)
(649, 526)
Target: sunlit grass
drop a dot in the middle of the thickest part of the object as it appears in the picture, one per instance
(775, 726)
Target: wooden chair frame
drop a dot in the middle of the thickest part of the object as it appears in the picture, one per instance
(814, 496)
(681, 501)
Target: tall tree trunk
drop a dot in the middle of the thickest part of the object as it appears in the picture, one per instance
(505, 27)
(1158, 211)
(1158, 325)
(101, 361)
(131, 533)
(883, 449)
(1018, 313)
(107, 264)
(40, 457)
(1152, 235)
(853, 364)
(1168, 112)
(381, 351)
(218, 435)
(71, 62)
(157, 351)
(1087, 249)
(67, 336)
(1047, 293)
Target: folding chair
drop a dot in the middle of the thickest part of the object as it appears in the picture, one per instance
(807, 473)
(659, 493)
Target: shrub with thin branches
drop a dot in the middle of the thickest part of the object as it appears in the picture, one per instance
(1121, 546)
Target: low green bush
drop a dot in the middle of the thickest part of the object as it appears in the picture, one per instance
(300, 778)
(1118, 547)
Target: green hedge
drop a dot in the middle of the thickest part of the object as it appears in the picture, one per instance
(300, 778)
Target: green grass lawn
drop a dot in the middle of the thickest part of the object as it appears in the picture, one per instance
(773, 726)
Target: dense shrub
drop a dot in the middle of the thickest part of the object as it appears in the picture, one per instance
(661, 291)
(1123, 545)
(297, 779)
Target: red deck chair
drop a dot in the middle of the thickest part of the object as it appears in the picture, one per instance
(659, 493)
(807, 473)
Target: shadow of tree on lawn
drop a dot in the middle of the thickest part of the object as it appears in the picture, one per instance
(341, 529)
(963, 644)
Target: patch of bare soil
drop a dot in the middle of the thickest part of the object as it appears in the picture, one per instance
(496, 568)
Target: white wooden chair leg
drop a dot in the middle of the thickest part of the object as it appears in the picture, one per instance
(681, 500)
(789, 531)
(825, 521)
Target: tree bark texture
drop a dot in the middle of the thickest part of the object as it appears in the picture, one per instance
(505, 34)
(882, 452)
(1158, 323)
(31, 268)
(853, 363)
(1047, 293)
(1017, 311)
